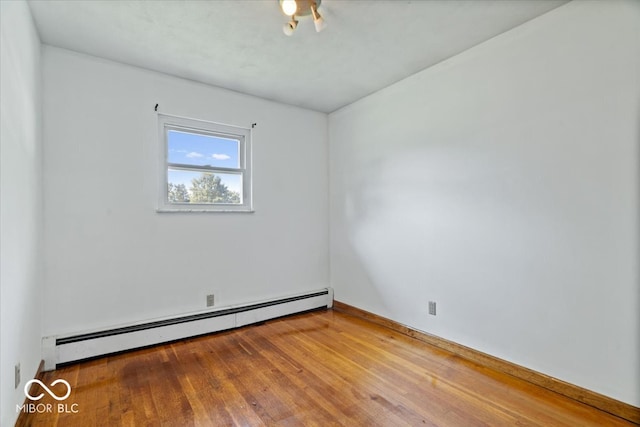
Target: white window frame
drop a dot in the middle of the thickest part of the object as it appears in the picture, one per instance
(166, 123)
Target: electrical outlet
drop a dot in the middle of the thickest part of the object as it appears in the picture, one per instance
(17, 376)
(210, 300)
(432, 308)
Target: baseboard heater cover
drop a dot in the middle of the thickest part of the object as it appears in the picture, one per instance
(70, 348)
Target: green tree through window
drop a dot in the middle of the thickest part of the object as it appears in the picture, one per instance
(210, 189)
(178, 193)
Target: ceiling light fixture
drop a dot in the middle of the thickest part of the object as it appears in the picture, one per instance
(298, 8)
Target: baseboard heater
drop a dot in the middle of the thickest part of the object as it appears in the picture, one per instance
(71, 348)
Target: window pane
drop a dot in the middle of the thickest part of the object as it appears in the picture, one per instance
(203, 187)
(202, 150)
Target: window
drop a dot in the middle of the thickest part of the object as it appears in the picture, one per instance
(205, 166)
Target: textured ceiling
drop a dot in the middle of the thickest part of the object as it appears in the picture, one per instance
(239, 44)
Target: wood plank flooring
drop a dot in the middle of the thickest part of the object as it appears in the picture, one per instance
(322, 368)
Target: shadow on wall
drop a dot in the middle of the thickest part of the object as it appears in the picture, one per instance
(440, 219)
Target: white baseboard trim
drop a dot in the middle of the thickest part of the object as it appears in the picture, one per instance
(67, 348)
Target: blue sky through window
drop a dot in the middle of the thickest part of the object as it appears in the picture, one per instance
(203, 150)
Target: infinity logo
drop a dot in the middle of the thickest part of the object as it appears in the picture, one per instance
(52, 394)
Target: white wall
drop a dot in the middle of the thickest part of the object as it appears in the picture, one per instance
(503, 184)
(110, 258)
(20, 203)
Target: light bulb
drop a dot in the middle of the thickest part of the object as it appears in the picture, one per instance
(289, 27)
(289, 7)
(318, 20)
(319, 23)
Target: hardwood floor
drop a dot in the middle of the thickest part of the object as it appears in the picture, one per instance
(316, 369)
